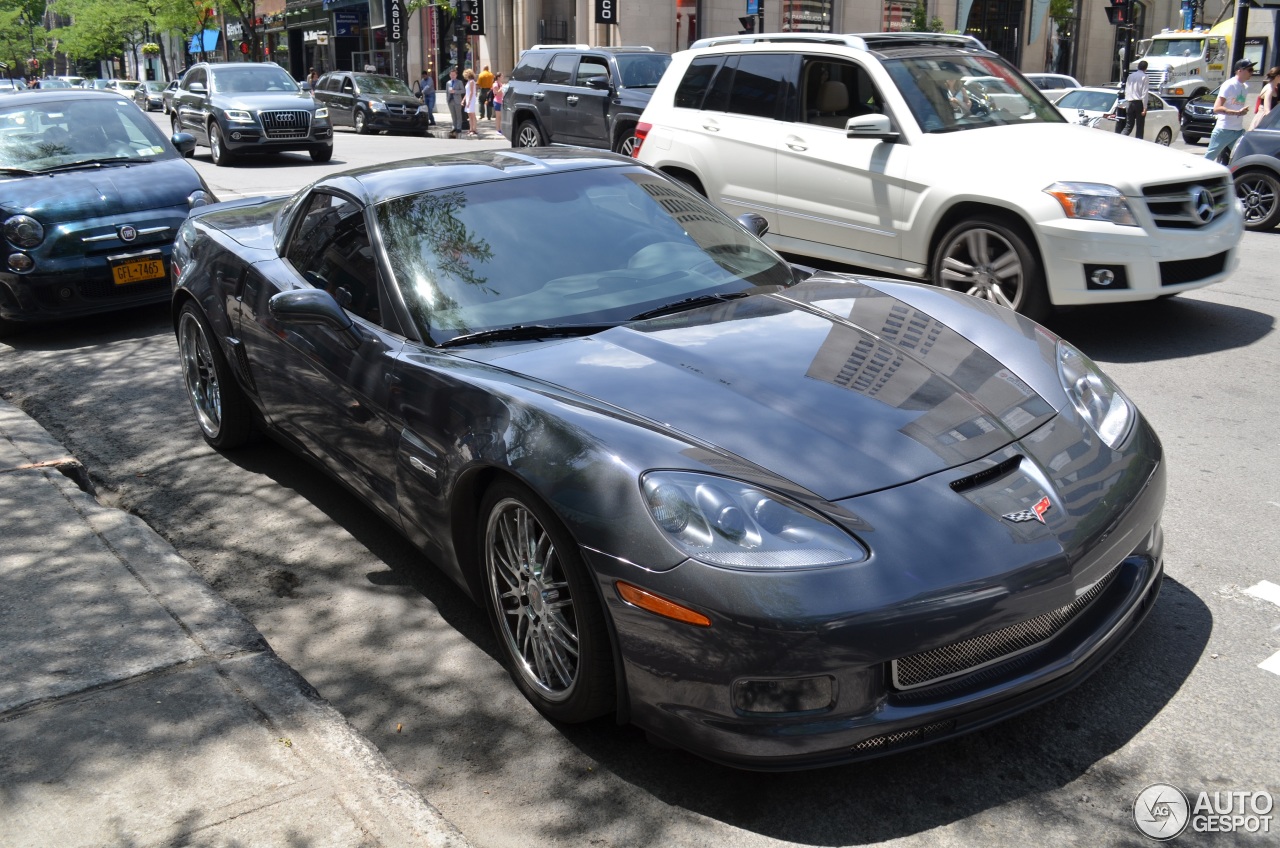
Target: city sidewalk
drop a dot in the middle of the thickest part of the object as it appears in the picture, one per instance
(139, 708)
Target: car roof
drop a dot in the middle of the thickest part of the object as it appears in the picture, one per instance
(884, 43)
(40, 95)
(378, 183)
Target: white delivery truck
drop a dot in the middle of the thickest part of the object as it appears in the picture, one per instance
(1186, 63)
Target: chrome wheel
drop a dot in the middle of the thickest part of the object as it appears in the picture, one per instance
(201, 375)
(358, 122)
(627, 144)
(527, 135)
(1259, 192)
(217, 147)
(529, 590)
(1164, 137)
(991, 259)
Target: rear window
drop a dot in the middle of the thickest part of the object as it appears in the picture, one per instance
(697, 79)
(531, 66)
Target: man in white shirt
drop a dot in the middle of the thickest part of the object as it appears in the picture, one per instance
(1231, 107)
(1135, 101)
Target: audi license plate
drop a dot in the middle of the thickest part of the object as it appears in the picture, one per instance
(137, 269)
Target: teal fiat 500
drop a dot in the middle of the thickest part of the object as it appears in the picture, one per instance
(91, 196)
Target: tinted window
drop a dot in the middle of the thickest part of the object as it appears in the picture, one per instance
(591, 66)
(253, 77)
(759, 84)
(561, 70)
(697, 79)
(331, 251)
(531, 65)
(642, 70)
(195, 75)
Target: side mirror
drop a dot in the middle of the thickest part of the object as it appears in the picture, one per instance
(753, 223)
(870, 126)
(315, 306)
(197, 88)
(306, 86)
(184, 142)
(599, 83)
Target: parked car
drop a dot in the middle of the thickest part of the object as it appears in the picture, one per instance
(91, 197)
(1198, 119)
(1090, 106)
(125, 87)
(53, 82)
(99, 84)
(9, 86)
(852, 150)
(73, 81)
(241, 108)
(1255, 167)
(595, 437)
(148, 96)
(167, 94)
(371, 103)
(1052, 86)
(585, 96)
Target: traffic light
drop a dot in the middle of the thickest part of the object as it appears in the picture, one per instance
(1118, 13)
(244, 47)
(748, 24)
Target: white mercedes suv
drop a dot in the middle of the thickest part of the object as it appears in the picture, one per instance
(873, 150)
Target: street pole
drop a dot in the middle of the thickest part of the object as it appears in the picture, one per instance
(1241, 30)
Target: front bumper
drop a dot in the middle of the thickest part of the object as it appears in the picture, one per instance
(853, 628)
(245, 139)
(1146, 261)
(397, 123)
(74, 278)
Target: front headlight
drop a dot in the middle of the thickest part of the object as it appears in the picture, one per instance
(729, 523)
(322, 113)
(199, 198)
(238, 116)
(24, 231)
(1093, 202)
(1098, 400)
(377, 106)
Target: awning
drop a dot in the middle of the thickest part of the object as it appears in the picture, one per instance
(210, 41)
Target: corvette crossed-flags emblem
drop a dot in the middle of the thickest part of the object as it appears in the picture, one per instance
(1036, 513)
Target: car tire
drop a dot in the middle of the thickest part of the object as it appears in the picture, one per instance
(627, 141)
(527, 135)
(1164, 137)
(1259, 192)
(222, 410)
(321, 154)
(543, 605)
(992, 258)
(1191, 138)
(218, 147)
(359, 122)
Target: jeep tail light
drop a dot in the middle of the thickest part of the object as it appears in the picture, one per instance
(642, 130)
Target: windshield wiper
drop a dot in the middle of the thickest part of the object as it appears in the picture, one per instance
(90, 163)
(689, 303)
(527, 331)
(23, 171)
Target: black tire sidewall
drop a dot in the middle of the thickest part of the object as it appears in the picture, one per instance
(594, 692)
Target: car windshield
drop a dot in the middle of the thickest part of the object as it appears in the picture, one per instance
(44, 136)
(1177, 47)
(934, 90)
(127, 85)
(378, 84)
(1089, 101)
(253, 78)
(642, 70)
(624, 242)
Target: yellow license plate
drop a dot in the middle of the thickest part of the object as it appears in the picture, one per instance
(137, 271)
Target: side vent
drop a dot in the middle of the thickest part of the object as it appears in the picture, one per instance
(995, 472)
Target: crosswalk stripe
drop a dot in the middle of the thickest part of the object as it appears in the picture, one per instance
(1271, 664)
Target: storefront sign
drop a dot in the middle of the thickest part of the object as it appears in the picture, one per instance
(607, 11)
(395, 19)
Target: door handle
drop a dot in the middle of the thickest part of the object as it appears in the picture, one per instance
(711, 127)
(572, 98)
(538, 95)
(796, 144)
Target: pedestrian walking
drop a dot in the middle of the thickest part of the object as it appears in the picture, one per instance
(453, 91)
(425, 88)
(1231, 107)
(471, 102)
(1267, 99)
(484, 81)
(312, 78)
(498, 85)
(1135, 98)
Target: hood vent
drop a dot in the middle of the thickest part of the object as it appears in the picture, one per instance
(985, 476)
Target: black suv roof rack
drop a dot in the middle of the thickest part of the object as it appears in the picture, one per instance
(856, 40)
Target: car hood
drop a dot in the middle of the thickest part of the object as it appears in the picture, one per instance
(837, 387)
(89, 193)
(256, 101)
(393, 99)
(1031, 157)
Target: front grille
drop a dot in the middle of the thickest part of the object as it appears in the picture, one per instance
(397, 110)
(892, 740)
(1155, 78)
(286, 123)
(1190, 204)
(969, 655)
(1191, 270)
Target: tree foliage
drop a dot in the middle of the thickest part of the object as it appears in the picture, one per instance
(921, 22)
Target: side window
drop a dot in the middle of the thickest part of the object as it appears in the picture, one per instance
(561, 70)
(196, 75)
(760, 85)
(591, 66)
(348, 87)
(531, 66)
(696, 82)
(331, 250)
(1154, 102)
(832, 92)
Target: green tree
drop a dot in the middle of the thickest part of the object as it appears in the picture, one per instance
(921, 22)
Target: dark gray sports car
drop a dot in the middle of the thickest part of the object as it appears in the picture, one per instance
(779, 518)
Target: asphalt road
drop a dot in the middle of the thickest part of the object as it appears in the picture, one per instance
(412, 664)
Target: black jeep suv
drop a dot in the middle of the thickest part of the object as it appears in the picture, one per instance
(574, 94)
(250, 107)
